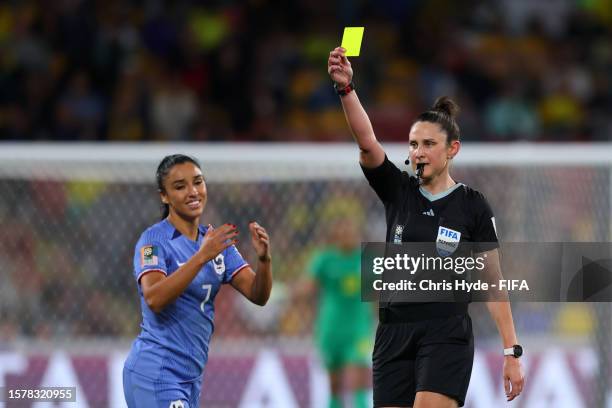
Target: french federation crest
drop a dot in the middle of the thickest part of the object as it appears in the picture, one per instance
(447, 241)
(219, 263)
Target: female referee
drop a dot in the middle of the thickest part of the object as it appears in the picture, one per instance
(423, 352)
(179, 266)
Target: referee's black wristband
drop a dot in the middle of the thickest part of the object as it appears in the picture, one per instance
(265, 258)
(344, 90)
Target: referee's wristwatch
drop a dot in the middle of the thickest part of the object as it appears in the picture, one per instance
(345, 90)
(515, 351)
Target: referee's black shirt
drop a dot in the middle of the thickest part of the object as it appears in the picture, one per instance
(419, 214)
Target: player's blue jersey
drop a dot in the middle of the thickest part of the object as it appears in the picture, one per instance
(173, 344)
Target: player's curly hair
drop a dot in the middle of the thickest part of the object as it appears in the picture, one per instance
(443, 112)
(164, 168)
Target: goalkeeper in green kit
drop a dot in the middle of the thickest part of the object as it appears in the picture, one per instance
(343, 327)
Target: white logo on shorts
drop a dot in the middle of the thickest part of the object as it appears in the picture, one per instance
(177, 404)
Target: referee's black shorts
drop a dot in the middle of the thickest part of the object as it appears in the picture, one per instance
(429, 355)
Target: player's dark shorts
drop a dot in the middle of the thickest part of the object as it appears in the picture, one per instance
(429, 355)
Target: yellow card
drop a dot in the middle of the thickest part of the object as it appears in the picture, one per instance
(351, 40)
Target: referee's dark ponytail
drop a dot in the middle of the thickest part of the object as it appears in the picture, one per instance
(443, 112)
(162, 172)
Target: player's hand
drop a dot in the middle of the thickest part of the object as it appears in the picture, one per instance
(260, 240)
(513, 377)
(339, 67)
(216, 240)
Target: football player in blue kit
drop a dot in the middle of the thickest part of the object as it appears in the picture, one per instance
(179, 266)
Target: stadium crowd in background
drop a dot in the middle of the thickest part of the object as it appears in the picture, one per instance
(251, 71)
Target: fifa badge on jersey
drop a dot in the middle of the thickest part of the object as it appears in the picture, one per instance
(219, 264)
(447, 241)
(148, 255)
(399, 232)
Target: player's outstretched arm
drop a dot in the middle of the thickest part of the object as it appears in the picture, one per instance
(159, 290)
(256, 286)
(371, 152)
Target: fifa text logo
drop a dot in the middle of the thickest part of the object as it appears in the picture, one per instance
(448, 233)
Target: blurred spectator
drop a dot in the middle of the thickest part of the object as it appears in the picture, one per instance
(129, 109)
(562, 114)
(510, 116)
(79, 111)
(173, 108)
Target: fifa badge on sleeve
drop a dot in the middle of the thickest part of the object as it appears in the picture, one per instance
(148, 255)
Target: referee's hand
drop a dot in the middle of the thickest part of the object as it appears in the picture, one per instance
(513, 377)
(339, 67)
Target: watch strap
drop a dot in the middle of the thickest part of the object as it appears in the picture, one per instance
(515, 351)
(344, 90)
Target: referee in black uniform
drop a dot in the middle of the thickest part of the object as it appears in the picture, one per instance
(423, 353)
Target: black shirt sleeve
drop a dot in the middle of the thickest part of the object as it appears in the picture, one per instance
(485, 233)
(386, 180)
